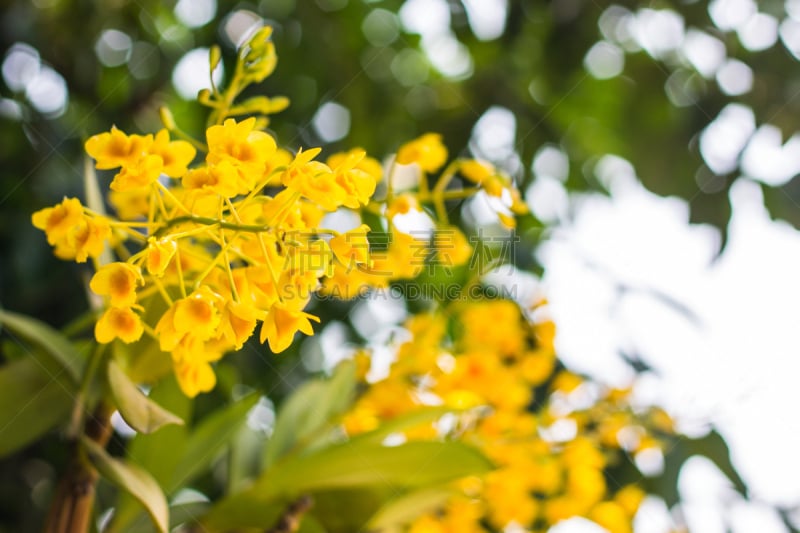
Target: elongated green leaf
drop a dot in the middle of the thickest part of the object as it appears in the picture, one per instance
(309, 524)
(243, 510)
(294, 418)
(142, 413)
(158, 453)
(309, 409)
(244, 459)
(346, 466)
(56, 353)
(31, 403)
(414, 464)
(404, 509)
(210, 437)
(361, 504)
(133, 480)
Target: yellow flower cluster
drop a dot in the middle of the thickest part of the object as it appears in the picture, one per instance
(550, 449)
(222, 255)
(219, 238)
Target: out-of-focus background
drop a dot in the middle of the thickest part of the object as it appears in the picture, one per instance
(656, 143)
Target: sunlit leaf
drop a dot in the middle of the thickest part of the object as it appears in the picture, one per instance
(403, 509)
(347, 466)
(414, 464)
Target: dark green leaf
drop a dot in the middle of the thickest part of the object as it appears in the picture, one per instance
(361, 504)
(677, 452)
(57, 351)
(241, 510)
(31, 403)
(139, 411)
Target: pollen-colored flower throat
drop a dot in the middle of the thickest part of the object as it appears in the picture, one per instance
(218, 238)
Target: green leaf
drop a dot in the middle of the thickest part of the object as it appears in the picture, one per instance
(404, 509)
(346, 467)
(31, 403)
(242, 510)
(715, 448)
(361, 504)
(158, 453)
(131, 479)
(210, 437)
(57, 354)
(245, 457)
(309, 409)
(139, 411)
(309, 524)
(414, 464)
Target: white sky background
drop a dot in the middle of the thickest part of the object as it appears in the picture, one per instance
(737, 368)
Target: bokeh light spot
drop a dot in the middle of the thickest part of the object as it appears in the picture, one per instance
(191, 73)
(604, 60)
(113, 48)
(332, 122)
(20, 66)
(195, 13)
(381, 27)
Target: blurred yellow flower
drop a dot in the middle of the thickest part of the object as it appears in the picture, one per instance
(118, 323)
(118, 281)
(281, 324)
(175, 155)
(116, 149)
(58, 220)
(352, 248)
(427, 151)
